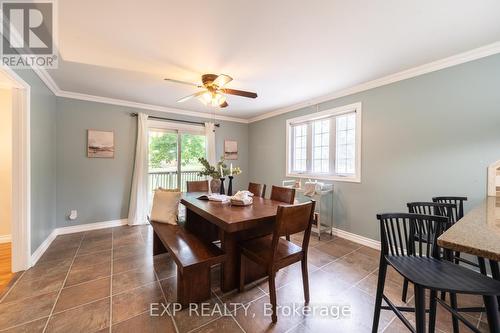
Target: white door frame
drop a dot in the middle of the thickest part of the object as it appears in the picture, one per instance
(21, 172)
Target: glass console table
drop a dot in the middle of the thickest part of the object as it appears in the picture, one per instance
(323, 216)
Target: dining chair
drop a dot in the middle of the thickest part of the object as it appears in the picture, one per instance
(283, 194)
(457, 214)
(451, 207)
(274, 253)
(402, 236)
(495, 274)
(197, 186)
(258, 190)
(427, 208)
(458, 211)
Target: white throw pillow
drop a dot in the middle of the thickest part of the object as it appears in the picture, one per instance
(165, 206)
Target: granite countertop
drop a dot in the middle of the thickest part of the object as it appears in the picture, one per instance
(478, 232)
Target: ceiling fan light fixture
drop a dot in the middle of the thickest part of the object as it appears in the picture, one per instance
(213, 99)
(214, 95)
(205, 98)
(218, 99)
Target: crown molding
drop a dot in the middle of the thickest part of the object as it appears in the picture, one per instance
(47, 79)
(454, 60)
(137, 105)
(52, 85)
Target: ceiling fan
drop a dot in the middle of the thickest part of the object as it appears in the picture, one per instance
(214, 91)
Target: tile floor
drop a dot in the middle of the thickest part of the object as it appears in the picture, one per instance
(105, 281)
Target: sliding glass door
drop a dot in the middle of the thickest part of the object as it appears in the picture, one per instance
(193, 146)
(174, 151)
(163, 159)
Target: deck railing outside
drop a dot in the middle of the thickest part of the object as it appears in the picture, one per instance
(168, 179)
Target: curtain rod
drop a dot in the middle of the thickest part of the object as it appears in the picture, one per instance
(177, 120)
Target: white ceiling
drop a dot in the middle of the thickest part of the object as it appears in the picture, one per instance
(287, 51)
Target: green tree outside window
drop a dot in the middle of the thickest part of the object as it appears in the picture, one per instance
(163, 150)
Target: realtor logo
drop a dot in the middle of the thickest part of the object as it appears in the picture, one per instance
(28, 34)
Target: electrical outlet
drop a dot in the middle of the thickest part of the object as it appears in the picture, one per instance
(73, 214)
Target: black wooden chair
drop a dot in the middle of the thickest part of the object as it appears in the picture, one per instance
(420, 262)
(495, 274)
(432, 208)
(456, 214)
(428, 208)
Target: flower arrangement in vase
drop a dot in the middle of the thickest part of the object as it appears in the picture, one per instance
(217, 173)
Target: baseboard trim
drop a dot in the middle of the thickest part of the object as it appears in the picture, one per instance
(91, 226)
(357, 238)
(43, 247)
(71, 230)
(5, 239)
(117, 223)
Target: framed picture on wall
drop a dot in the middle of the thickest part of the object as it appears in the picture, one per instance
(230, 150)
(100, 144)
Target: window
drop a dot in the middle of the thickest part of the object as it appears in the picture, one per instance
(300, 149)
(326, 145)
(174, 150)
(345, 158)
(321, 146)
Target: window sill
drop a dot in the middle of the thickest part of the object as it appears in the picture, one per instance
(353, 179)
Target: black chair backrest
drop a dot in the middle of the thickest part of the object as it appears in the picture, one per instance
(458, 211)
(432, 208)
(403, 234)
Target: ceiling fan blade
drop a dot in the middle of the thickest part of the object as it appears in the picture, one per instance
(222, 80)
(223, 105)
(184, 82)
(240, 93)
(199, 93)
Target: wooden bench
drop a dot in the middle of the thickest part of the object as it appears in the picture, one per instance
(193, 257)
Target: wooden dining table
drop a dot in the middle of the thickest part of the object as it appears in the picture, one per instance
(231, 224)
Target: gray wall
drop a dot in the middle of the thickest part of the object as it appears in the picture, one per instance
(62, 178)
(100, 188)
(430, 135)
(434, 134)
(43, 158)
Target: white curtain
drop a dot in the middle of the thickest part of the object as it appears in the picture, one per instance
(138, 209)
(210, 137)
